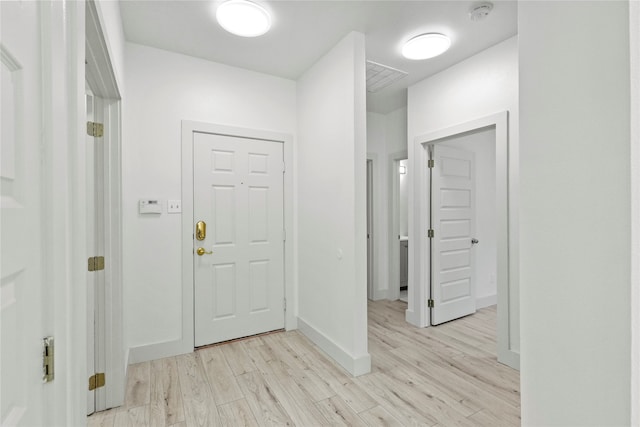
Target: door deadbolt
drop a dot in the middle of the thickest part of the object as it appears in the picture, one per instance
(201, 230)
(474, 241)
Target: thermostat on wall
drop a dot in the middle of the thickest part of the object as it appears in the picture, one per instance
(150, 206)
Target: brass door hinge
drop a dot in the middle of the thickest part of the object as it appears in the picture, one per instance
(47, 359)
(96, 381)
(95, 263)
(95, 129)
(431, 163)
(430, 233)
(430, 303)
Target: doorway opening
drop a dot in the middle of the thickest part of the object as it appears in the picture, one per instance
(418, 310)
(104, 307)
(398, 250)
(370, 242)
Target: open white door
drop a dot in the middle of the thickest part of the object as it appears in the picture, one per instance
(22, 286)
(238, 246)
(453, 223)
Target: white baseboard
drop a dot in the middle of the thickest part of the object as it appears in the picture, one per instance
(356, 366)
(486, 301)
(145, 353)
(379, 294)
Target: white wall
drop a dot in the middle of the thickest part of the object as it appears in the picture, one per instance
(575, 213)
(482, 85)
(331, 165)
(483, 144)
(404, 197)
(396, 130)
(164, 88)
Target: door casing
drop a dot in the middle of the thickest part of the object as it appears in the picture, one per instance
(101, 79)
(507, 242)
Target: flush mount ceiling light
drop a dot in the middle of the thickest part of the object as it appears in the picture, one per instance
(426, 46)
(243, 18)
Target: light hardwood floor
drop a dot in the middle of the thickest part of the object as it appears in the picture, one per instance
(441, 376)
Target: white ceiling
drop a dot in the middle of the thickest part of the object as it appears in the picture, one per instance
(303, 30)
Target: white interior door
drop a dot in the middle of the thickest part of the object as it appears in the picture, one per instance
(239, 263)
(22, 321)
(453, 225)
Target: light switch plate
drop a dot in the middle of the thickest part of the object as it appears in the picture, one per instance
(174, 206)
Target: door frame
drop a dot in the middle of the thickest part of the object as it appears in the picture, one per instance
(186, 343)
(507, 240)
(393, 292)
(371, 261)
(101, 79)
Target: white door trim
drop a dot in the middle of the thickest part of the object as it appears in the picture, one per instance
(507, 242)
(101, 78)
(185, 344)
(372, 218)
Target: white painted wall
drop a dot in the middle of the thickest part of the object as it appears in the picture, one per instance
(482, 85)
(404, 197)
(396, 130)
(111, 22)
(575, 213)
(483, 144)
(164, 88)
(331, 165)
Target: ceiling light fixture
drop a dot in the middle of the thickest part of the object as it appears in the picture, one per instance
(426, 46)
(243, 18)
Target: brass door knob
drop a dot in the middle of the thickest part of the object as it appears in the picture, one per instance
(201, 251)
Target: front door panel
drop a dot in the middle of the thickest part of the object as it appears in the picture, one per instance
(239, 276)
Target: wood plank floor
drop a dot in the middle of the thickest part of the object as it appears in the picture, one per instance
(441, 376)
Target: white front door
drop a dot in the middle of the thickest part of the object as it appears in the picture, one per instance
(453, 225)
(22, 322)
(239, 247)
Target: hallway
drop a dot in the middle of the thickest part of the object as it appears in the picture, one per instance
(441, 376)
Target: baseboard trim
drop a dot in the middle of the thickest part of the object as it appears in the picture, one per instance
(379, 294)
(510, 358)
(486, 301)
(145, 353)
(356, 366)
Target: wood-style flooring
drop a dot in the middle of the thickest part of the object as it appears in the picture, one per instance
(440, 376)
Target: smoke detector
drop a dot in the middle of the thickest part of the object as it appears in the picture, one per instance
(480, 11)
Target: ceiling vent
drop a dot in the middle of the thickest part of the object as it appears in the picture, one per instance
(380, 76)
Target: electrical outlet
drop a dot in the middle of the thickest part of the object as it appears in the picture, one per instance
(174, 206)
